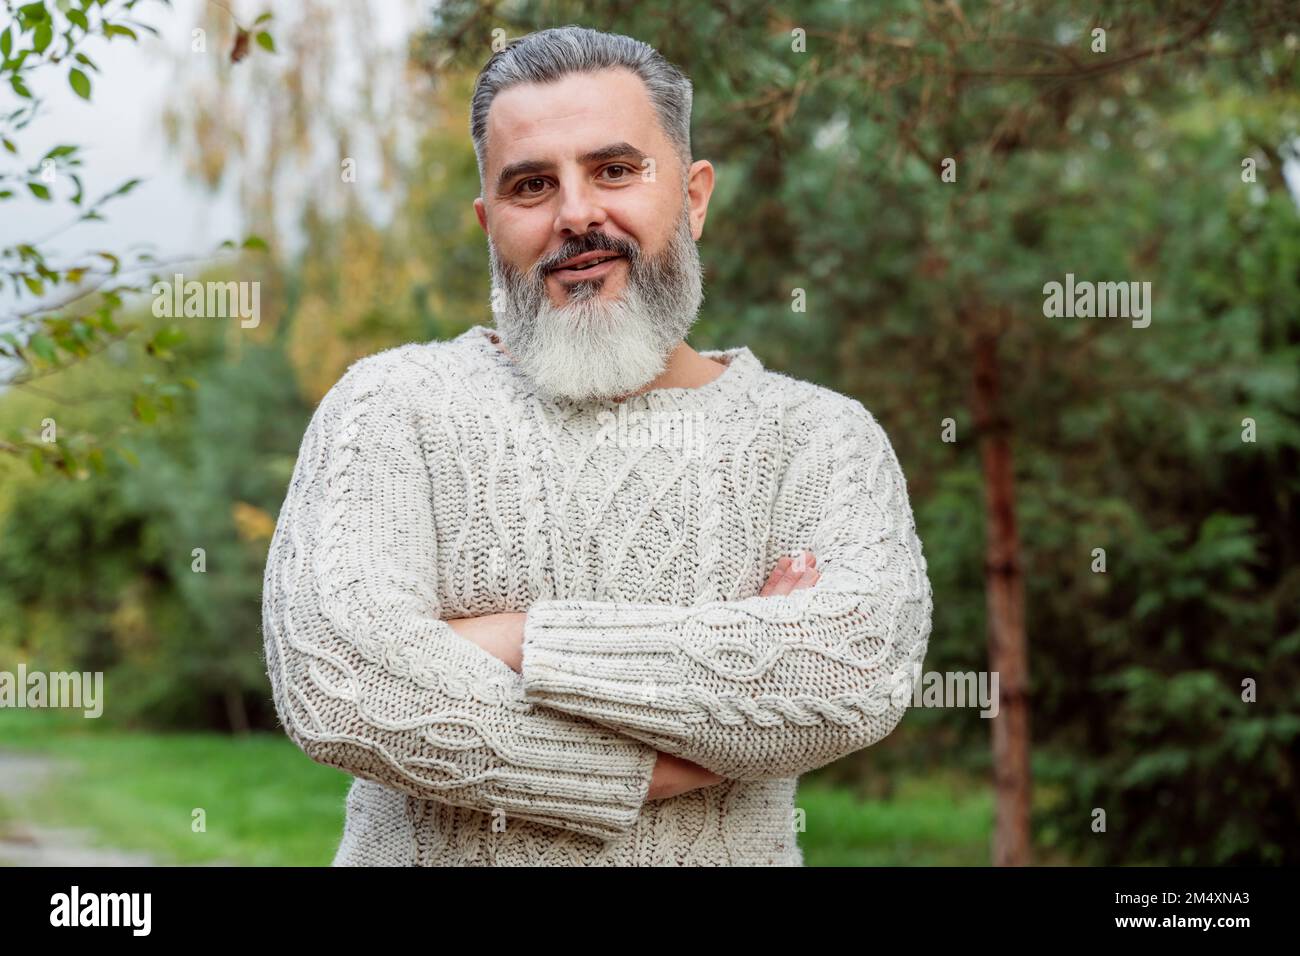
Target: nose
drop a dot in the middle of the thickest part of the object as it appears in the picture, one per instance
(580, 209)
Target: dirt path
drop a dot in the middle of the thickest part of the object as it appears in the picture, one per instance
(23, 843)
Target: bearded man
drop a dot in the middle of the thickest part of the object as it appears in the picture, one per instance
(529, 644)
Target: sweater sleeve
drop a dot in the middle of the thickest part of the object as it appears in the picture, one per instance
(367, 677)
(764, 687)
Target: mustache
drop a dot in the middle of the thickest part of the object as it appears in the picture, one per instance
(588, 242)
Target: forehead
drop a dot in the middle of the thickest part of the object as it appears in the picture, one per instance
(574, 114)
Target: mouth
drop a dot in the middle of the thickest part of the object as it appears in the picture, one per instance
(586, 266)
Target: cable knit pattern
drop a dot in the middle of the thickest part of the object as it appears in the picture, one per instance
(434, 482)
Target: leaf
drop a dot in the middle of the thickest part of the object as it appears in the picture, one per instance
(39, 191)
(36, 460)
(163, 340)
(42, 36)
(123, 189)
(143, 409)
(265, 42)
(20, 87)
(79, 18)
(9, 145)
(254, 242)
(42, 346)
(36, 286)
(86, 61)
(169, 335)
(6, 43)
(262, 18)
(113, 30)
(79, 82)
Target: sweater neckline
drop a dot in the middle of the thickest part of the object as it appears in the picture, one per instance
(742, 371)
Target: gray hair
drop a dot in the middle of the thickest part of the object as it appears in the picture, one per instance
(547, 55)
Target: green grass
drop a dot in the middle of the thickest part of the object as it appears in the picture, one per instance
(935, 820)
(267, 804)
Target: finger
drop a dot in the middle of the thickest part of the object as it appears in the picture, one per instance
(775, 577)
(777, 573)
(787, 582)
(807, 579)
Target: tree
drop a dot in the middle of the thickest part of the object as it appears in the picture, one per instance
(43, 336)
(921, 172)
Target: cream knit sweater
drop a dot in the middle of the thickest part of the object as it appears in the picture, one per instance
(434, 482)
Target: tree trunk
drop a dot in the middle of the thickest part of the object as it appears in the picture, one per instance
(1008, 656)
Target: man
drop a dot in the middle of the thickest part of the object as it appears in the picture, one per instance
(532, 634)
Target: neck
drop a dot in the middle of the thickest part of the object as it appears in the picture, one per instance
(686, 368)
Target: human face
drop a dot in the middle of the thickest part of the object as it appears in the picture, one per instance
(581, 168)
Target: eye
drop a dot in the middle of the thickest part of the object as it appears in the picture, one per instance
(523, 190)
(623, 166)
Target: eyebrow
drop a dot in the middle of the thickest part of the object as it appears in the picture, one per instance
(603, 154)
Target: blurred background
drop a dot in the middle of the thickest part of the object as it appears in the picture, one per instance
(1108, 511)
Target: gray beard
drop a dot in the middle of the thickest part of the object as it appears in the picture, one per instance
(593, 348)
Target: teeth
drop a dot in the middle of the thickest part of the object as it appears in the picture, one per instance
(588, 265)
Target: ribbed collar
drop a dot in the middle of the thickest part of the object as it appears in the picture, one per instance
(743, 372)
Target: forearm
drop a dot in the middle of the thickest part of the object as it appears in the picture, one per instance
(502, 636)
(773, 685)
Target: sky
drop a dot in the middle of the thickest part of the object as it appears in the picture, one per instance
(121, 137)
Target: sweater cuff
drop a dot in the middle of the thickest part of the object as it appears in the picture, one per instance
(598, 789)
(601, 665)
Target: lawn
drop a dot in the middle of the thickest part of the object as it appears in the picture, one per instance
(265, 804)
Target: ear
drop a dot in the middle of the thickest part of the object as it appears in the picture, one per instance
(480, 210)
(699, 188)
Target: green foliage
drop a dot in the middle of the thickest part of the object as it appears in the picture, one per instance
(66, 309)
(100, 574)
(1118, 166)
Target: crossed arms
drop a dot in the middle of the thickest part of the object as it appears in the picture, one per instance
(502, 635)
(611, 704)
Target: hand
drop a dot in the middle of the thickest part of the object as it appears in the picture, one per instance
(673, 776)
(501, 635)
(791, 575)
